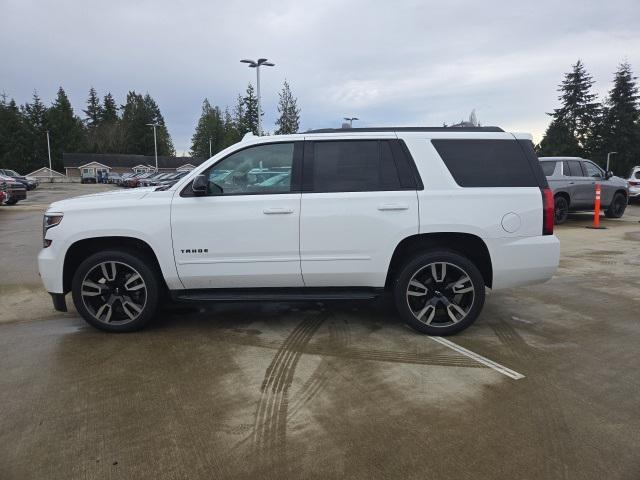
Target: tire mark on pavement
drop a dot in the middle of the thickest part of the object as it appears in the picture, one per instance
(548, 415)
(270, 427)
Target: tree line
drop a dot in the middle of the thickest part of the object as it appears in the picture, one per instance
(106, 128)
(109, 128)
(584, 127)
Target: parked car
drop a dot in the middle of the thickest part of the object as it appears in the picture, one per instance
(171, 180)
(134, 181)
(123, 178)
(88, 177)
(29, 182)
(634, 184)
(3, 195)
(14, 190)
(113, 177)
(433, 215)
(573, 180)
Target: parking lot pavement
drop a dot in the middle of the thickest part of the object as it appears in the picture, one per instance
(330, 390)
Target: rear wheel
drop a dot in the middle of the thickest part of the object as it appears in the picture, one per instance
(561, 210)
(617, 207)
(439, 293)
(116, 291)
(11, 201)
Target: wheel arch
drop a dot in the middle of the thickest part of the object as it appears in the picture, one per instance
(467, 244)
(81, 249)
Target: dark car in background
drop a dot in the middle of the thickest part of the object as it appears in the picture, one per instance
(14, 191)
(28, 182)
(573, 182)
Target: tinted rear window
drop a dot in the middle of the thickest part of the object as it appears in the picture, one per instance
(356, 166)
(486, 163)
(548, 168)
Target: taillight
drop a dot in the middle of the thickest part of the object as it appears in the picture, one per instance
(548, 210)
(634, 184)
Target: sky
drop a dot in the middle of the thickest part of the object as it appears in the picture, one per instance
(390, 63)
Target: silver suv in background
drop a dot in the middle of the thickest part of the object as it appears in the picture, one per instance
(634, 184)
(573, 182)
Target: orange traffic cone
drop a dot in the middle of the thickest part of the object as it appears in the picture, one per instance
(596, 211)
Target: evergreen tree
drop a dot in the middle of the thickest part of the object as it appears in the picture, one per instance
(137, 113)
(579, 109)
(34, 116)
(109, 112)
(249, 122)
(210, 128)
(14, 137)
(66, 130)
(93, 111)
(621, 122)
(289, 120)
(558, 140)
(231, 132)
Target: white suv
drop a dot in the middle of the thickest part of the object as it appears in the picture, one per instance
(434, 215)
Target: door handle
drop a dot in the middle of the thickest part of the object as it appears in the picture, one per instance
(277, 211)
(572, 183)
(393, 206)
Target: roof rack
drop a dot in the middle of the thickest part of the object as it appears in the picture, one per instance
(407, 129)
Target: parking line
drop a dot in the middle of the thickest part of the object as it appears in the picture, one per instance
(479, 358)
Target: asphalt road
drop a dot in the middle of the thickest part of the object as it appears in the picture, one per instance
(320, 390)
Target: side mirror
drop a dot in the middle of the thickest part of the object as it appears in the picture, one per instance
(199, 185)
(608, 175)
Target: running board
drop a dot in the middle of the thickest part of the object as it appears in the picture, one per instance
(303, 294)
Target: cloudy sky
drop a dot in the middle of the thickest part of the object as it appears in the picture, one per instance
(387, 62)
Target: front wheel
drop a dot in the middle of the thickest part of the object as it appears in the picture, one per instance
(617, 207)
(439, 293)
(116, 291)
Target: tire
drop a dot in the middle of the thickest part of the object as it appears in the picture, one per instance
(617, 207)
(116, 291)
(12, 201)
(561, 210)
(432, 312)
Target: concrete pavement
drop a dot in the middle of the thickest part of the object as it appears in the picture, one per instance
(340, 390)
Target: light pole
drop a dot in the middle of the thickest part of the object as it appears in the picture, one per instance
(155, 142)
(608, 157)
(210, 148)
(257, 64)
(49, 151)
(350, 120)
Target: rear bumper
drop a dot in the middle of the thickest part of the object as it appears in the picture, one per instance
(634, 192)
(523, 261)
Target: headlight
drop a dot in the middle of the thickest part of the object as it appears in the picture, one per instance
(50, 220)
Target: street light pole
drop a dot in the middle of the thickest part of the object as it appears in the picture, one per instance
(350, 120)
(608, 157)
(49, 150)
(257, 64)
(155, 142)
(210, 155)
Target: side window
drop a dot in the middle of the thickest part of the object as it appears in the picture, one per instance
(353, 166)
(487, 163)
(260, 169)
(572, 168)
(548, 168)
(637, 175)
(592, 170)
